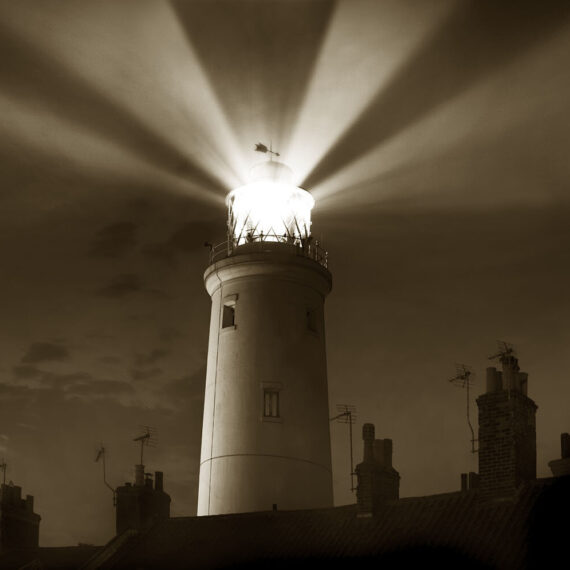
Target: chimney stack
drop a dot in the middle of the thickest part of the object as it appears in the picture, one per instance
(507, 431)
(469, 481)
(378, 481)
(19, 525)
(141, 505)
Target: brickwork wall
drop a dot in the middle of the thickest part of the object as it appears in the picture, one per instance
(507, 442)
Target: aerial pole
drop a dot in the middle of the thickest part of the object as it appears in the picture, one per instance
(101, 455)
(147, 439)
(347, 415)
(507, 356)
(462, 379)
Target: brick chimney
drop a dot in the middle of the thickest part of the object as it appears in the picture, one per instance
(19, 525)
(141, 505)
(561, 467)
(378, 481)
(507, 431)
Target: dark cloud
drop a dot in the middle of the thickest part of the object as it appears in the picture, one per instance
(9, 392)
(96, 335)
(170, 333)
(188, 237)
(100, 388)
(62, 381)
(121, 286)
(186, 390)
(155, 355)
(158, 294)
(110, 359)
(145, 374)
(25, 371)
(114, 240)
(45, 352)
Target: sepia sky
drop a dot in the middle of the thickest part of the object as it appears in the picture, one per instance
(434, 138)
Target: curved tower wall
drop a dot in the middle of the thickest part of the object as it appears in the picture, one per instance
(251, 461)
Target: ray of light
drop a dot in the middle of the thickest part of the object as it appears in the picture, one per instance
(363, 49)
(469, 129)
(157, 112)
(27, 135)
(477, 39)
(259, 56)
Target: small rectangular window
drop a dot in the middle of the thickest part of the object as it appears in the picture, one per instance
(229, 316)
(271, 403)
(229, 312)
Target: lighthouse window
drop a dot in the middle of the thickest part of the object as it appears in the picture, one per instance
(229, 316)
(271, 403)
(229, 312)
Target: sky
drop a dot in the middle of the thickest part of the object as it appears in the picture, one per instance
(434, 139)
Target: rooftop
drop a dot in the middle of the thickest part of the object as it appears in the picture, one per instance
(454, 529)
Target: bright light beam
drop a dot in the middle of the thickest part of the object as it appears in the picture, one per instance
(350, 72)
(160, 85)
(466, 126)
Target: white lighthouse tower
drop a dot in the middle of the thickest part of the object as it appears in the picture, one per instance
(265, 436)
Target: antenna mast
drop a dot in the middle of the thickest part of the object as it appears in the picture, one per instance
(506, 355)
(148, 438)
(347, 415)
(462, 379)
(101, 455)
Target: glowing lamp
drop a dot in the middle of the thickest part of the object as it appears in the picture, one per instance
(269, 208)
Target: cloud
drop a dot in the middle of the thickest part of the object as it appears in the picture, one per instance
(154, 356)
(121, 286)
(110, 359)
(10, 392)
(188, 237)
(45, 352)
(168, 334)
(100, 388)
(57, 381)
(26, 371)
(138, 374)
(181, 393)
(114, 240)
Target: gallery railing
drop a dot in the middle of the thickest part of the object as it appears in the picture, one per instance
(304, 247)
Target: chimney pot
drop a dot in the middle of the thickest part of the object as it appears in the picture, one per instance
(158, 480)
(368, 437)
(565, 445)
(494, 380)
(139, 475)
(368, 432)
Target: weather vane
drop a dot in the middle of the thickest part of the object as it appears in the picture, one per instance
(260, 147)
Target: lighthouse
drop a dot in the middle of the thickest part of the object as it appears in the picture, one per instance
(265, 435)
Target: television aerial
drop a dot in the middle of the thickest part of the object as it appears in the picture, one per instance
(101, 454)
(347, 415)
(506, 355)
(463, 379)
(148, 439)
